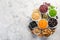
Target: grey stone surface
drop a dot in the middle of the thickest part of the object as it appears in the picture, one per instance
(15, 16)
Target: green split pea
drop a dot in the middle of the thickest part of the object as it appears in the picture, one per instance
(52, 12)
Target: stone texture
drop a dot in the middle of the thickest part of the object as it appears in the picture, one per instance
(15, 16)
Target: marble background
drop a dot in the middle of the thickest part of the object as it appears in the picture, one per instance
(15, 17)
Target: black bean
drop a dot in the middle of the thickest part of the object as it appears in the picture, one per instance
(56, 17)
(52, 22)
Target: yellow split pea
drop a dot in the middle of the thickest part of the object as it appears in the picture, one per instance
(36, 14)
